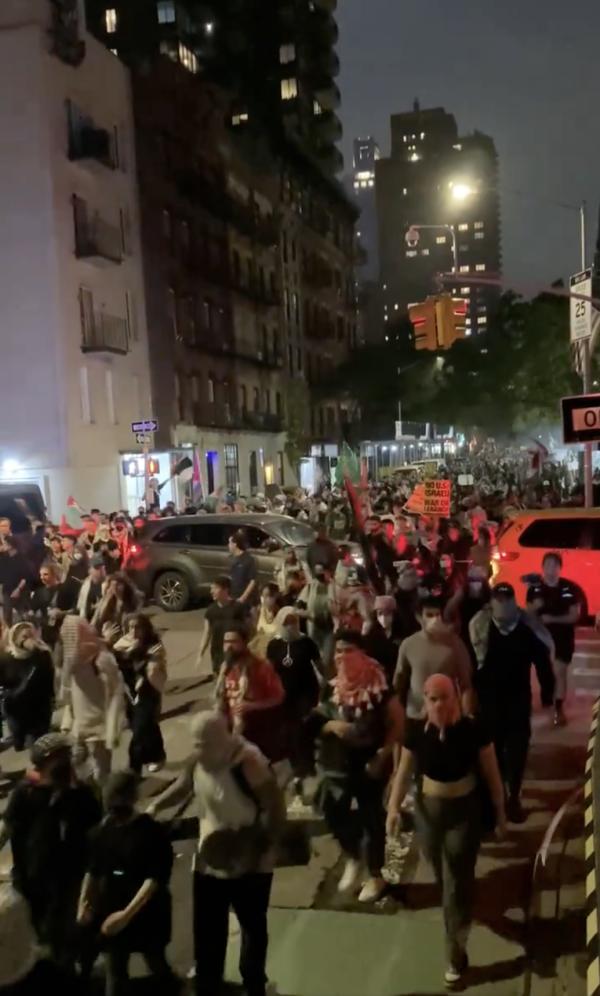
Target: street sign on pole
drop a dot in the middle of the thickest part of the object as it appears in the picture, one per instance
(148, 425)
(581, 418)
(145, 439)
(581, 310)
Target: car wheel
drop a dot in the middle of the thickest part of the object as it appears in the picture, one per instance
(172, 592)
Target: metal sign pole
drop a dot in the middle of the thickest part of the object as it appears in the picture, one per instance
(588, 481)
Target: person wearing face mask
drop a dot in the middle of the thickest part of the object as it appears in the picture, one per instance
(506, 646)
(356, 726)
(407, 601)
(435, 649)
(448, 751)
(296, 660)
(383, 638)
(125, 892)
(241, 814)
(467, 601)
(47, 820)
(249, 692)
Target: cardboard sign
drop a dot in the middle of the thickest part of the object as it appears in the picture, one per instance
(416, 502)
(437, 498)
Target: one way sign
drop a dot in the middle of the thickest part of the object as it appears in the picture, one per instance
(149, 425)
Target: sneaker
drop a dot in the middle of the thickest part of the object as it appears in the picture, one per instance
(454, 973)
(350, 876)
(514, 811)
(372, 890)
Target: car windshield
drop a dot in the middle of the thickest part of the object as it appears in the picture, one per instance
(294, 533)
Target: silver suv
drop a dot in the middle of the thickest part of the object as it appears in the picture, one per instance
(175, 560)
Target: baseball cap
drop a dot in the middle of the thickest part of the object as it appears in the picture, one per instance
(47, 746)
(503, 590)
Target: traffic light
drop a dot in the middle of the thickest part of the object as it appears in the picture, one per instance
(424, 322)
(450, 313)
(153, 467)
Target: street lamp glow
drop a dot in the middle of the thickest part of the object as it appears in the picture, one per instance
(10, 466)
(461, 191)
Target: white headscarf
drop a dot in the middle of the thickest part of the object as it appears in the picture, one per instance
(23, 641)
(215, 745)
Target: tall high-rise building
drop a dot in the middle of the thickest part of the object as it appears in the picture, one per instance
(366, 155)
(271, 66)
(276, 58)
(435, 177)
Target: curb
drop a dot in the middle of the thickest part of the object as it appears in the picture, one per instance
(591, 826)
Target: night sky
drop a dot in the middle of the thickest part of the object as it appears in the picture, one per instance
(527, 72)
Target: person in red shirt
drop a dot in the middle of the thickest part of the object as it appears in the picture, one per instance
(250, 692)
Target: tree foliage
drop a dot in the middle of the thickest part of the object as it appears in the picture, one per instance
(507, 380)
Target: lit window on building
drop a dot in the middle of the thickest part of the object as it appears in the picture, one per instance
(414, 157)
(110, 20)
(239, 119)
(356, 184)
(317, 109)
(463, 227)
(483, 320)
(480, 267)
(405, 138)
(422, 136)
(385, 318)
(465, 290)
(289, 88)
(441, 240)
(463, 269)
(478, 224)
(287, 53)
(165, 10)
(458, 147)
(371, 183)
(187, 58)
(397, 306)
(404, 191)
(479, 235)
(424, 252)
(364, 183)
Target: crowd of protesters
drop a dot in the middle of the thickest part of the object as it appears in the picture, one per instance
(380, 663)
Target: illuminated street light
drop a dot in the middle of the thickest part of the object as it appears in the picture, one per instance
(10, 467)
(461, 191)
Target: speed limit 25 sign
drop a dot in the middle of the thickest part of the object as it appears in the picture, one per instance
(581, 310)
(581, 418)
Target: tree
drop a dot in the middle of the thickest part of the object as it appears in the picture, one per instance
(297, 423)
(508, 380)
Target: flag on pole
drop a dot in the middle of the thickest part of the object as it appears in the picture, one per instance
(197, 476)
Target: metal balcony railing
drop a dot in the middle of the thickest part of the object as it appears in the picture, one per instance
(96, 238)
(104, 333)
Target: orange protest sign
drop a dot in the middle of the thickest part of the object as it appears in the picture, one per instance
(436, 498)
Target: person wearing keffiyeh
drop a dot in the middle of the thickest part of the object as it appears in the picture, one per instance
(356, 725)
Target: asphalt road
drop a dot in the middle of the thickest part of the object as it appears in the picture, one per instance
(322, 944)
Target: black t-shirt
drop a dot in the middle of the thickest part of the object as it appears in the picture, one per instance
(220, 619)
(243, 570)
(295, 664)
(452, 758)
(122, 857)
(48, 833)
(557, 601)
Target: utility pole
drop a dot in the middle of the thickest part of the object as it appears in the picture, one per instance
(586, 370)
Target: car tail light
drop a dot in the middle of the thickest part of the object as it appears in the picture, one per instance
(505, 556)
